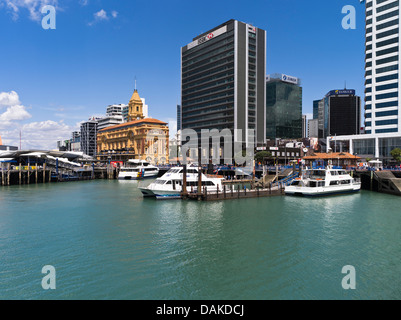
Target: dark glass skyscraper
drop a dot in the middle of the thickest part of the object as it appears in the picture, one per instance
(223, 80)
(339, 113)
(283, 107)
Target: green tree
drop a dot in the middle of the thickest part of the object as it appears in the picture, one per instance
(396, 154)
(260, 156)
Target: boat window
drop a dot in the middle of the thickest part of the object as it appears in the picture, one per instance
(313, 184)
(334, 183)
(346, 182)
(168, 182)
(160, 182)
(321, 184)
(316, 173)
(334, 173)
(295, 183)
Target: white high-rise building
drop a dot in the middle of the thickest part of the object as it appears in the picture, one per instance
(382, 85)
(114, 116)
(382, 78)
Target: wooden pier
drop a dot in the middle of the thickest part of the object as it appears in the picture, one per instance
(231, 193)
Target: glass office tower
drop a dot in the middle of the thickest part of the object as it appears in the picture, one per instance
(283, 107)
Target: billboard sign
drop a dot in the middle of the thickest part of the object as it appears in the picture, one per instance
(207, 37)
(289, 79)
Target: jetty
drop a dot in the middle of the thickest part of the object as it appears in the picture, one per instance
(383, 181)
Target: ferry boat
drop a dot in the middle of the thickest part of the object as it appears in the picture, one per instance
(169, 186)
(137, 169)
(322, 182)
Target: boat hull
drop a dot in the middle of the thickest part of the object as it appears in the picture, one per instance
(124, 176)
(320, 192)
(160, 194)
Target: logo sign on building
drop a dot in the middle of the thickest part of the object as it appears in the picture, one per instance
(261, 148)
(289, 79)
(207, 37)
(341, 92)
(251, 29)
(273, 148)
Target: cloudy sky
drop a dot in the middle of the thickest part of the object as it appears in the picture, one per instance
(51, 80)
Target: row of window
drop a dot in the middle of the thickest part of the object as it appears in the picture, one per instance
(387, 24)
(386, 16)
(387, 6)
(386, 122)
(386, 130)
(386, 33)
(387, 86)
(387, 69)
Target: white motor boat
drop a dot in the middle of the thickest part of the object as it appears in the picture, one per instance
(169, 186)
(137, 169)
(322, 182)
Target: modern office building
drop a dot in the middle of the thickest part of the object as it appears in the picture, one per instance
(382, 78)
(89, 137)
(316, 109)
(283, 107)
(313, 128)
(382, 84)
(179, 117)
(339, 113)
(223, 80)
(304, 126)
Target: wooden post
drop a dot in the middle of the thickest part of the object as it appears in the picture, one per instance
(20, 174)
(44, 173)
(36, 173)
(2, 175)
(8, 174)
(184, 181)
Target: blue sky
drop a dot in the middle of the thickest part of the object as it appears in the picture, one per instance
(64, 76)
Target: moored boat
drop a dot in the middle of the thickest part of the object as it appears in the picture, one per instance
(169, 186)
(137, 169)
(322, 182)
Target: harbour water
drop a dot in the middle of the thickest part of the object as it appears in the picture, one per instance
(107, 242)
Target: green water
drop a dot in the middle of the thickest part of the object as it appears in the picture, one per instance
(107, 242)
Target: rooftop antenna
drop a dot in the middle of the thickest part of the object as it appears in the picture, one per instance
(345, 85)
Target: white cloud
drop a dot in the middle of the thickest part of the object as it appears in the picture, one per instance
(32, 6)
(102, 16)
(14, 113)
(8, 99)
(83, 2)
(38, 135)
(35, 135)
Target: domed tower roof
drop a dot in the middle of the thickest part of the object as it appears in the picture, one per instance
(135, 97)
